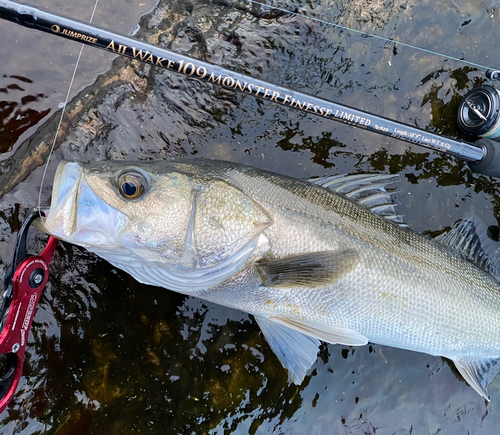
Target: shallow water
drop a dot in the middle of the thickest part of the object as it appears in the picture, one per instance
(109, 355)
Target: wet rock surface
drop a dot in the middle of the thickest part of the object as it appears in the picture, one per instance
(109, 355)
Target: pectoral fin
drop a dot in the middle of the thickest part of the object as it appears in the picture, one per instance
(308, 270)
(297, 352)
(478, 373)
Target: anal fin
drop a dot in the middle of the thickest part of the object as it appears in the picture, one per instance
(297, 352)
(479, 373)
(329, 333)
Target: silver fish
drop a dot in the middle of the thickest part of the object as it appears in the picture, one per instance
(311, 260)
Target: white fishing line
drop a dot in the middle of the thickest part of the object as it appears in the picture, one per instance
(298, 14)
(63, 111)
(372, 35)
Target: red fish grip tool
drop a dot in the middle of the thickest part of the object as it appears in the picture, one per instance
(25, 280)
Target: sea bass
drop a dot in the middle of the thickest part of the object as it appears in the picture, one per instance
(310, 260)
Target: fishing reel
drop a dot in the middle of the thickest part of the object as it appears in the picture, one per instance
(479, 116)
(479, 111)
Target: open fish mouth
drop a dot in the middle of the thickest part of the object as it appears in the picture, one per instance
(77, 213)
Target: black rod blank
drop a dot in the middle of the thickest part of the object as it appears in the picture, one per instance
(75, 30)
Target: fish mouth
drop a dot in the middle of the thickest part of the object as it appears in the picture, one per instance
(77, 214)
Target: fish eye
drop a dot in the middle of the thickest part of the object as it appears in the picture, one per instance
(132, 185)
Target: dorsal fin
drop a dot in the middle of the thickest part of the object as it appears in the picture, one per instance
(369, 190)
(471, 239)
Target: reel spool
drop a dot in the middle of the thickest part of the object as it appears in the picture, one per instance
(479, 111)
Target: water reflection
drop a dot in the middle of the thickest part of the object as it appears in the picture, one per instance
(109, 355)
(16, 113)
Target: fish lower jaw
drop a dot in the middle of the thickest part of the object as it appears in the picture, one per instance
(95, 240)
(91, 240)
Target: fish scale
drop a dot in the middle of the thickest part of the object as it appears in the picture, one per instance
(309, 263)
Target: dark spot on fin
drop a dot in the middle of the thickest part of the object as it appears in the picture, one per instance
(478, 373)
(473, 239)
(307, 270)
(297, 352)
(370, 190)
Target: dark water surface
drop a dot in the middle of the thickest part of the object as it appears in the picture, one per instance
(109, 355)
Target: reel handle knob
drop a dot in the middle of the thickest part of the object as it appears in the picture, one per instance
(493, 74)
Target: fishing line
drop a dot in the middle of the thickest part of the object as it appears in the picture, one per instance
(63, 111)
(372, 35)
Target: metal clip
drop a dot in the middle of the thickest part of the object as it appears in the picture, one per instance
(25, 280)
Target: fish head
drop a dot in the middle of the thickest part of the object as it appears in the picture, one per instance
(163, 223)
(112, 207)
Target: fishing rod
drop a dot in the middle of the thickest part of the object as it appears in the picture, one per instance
(483, 156)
